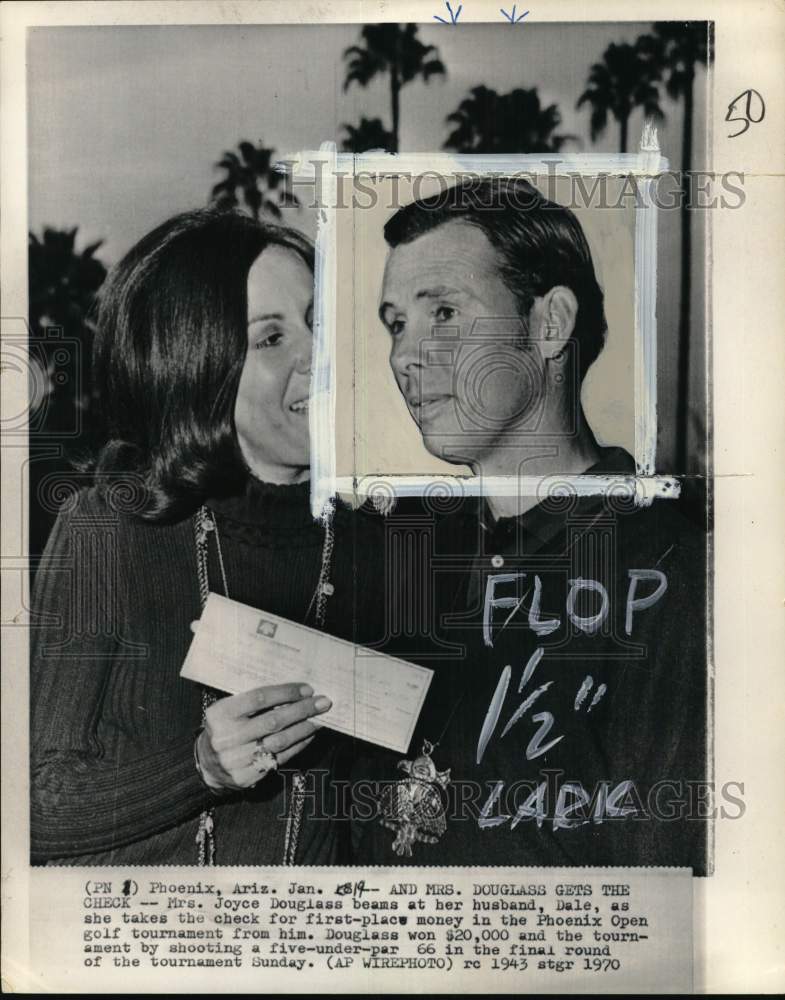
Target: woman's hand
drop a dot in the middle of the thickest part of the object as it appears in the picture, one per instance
(270, 719)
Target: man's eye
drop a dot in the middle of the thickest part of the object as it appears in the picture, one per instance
(444, 314)
(396, 327)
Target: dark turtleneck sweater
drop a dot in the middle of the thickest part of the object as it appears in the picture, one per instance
(113, 724)
(621, 709)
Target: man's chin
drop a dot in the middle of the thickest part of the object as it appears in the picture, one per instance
(449, 448)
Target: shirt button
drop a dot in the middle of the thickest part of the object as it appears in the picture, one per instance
(497, 562)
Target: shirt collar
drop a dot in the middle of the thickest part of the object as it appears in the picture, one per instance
(540, 524)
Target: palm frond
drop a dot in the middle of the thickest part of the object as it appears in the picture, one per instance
(678, 47)
(252, 178)
(369, 134)
(433, 67)
(598, 121)
(247, 151)
(91, 248)
(391, 48)
(362, 66)
(626, 77)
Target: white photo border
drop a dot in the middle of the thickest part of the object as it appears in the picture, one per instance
(644, 165)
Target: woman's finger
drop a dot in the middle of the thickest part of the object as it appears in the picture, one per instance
(278, 742)
(237, 757)
(281, 717)
(287, 755)
(231, 742)
(237, 706)
(249, 774)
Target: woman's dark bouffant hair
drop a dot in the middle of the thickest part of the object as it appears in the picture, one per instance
(169, 352)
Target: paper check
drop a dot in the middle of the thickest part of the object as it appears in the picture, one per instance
(375, 697)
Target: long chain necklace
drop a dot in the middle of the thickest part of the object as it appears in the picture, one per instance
(414, 807)
(205, 524)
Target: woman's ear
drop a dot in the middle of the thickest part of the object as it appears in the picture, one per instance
(555, 315)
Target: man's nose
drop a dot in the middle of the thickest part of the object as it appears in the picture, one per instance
(406, 356)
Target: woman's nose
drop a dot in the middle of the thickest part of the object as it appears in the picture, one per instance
(304, 351)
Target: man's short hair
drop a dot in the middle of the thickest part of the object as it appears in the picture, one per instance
(540, 245)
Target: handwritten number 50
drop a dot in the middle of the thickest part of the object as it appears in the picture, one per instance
(749, 109)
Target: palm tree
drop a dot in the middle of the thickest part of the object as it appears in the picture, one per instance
(625, 79)
(678, 48)
(369, 134)
(251, 175)
(396, 50)
(487, 122)
(63, 284)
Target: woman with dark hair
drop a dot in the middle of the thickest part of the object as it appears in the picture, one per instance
(203, 357)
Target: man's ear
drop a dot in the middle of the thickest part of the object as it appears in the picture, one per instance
(553, 318)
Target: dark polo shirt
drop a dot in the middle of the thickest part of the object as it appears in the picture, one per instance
(569, 700)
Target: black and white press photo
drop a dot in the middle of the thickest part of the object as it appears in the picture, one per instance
(482, 308)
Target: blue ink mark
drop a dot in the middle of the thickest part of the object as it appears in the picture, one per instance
(511, 17)
(453, 15)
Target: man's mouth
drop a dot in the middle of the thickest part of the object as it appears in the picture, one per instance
(424, 405)
(299, 406)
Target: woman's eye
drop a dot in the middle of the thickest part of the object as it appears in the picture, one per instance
(270, 339)
(444, 314)
(396, 327)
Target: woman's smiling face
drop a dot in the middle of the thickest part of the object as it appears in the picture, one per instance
(271, 410)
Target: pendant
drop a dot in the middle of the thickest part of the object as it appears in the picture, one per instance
(414, 806)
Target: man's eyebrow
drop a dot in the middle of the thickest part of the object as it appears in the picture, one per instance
(434, 292)
(437, 291)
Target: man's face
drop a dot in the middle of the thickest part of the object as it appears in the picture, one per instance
(469, 381)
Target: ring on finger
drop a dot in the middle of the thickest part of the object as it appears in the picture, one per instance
(264, 760)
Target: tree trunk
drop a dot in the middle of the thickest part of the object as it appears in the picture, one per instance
(623, 134)
(395, 92)
(683, 380)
